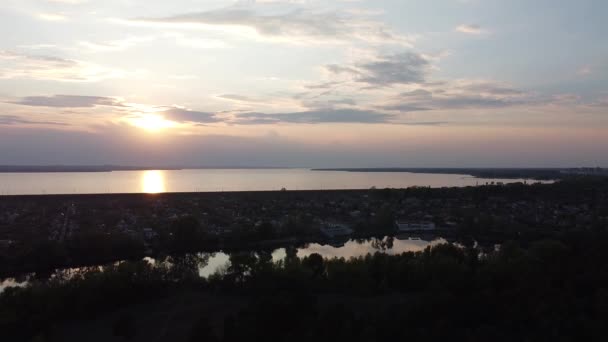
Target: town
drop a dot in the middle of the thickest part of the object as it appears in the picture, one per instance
(46, 232)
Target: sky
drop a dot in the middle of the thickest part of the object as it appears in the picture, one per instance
(304, 83)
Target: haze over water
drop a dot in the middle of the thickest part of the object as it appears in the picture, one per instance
(207, 180)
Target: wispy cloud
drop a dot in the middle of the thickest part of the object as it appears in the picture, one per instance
(15, 65)
(239, 98)
(470, 29)
(462, 94)
(17, 120)
(52, 16)
(179, 39)
(116, 45)
(386, 70)
(316, 117)
(329, 103)
(190, 116)
(293, 26)
(68, 101)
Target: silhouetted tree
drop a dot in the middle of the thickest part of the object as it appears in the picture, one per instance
(124, 327)
(314, 263)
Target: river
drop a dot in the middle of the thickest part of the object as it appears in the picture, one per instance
(205, 180)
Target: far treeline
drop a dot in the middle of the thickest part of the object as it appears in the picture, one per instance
(76, 168)
(504, 173)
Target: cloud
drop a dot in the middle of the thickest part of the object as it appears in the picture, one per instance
(116, 45)
(196, 43)
(471, 101)
(491, 88)
(316, 117)
(239, 98)
(387, 70)
(22, 66)
(404, 107)
(330, 103)
(324, 85)
(52, 16)
(185, 115)
(461, 94)
(115, 107)
(131, 41)
(68, 101)
(294, 26)
(470, 29)
(16, 120)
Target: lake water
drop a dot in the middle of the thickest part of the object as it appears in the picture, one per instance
(351, 248)
(221, 180)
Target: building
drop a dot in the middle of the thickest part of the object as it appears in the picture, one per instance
(332, 230)
(415, 226)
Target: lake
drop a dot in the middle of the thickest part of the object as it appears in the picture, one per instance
(349, 249)
(206, 180)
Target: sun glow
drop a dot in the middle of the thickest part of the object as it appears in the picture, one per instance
(152, 122)
(153, 182)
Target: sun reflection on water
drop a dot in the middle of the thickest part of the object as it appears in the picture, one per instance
(153, 182)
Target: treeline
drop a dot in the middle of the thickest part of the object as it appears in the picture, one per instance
(505, 173)
(545, 290)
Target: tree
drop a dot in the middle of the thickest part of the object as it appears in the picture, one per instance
(315, 264)
(241, 265)
(202, 331)
(187, 235)
(124, 327)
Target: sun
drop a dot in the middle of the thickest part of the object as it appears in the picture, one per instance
(152, 122)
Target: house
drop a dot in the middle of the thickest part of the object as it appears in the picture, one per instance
(332, 230)
(415, 226)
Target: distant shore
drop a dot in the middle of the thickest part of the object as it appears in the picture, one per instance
(107, 168)
(74, 168)
(490, 173)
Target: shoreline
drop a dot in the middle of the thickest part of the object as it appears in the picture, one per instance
(235, 192)
(538, 174)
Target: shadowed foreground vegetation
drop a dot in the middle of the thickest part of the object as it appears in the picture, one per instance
(545, 290)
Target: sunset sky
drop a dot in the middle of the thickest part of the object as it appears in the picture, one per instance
(413, 83)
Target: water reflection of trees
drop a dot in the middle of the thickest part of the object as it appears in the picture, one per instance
(382, 244)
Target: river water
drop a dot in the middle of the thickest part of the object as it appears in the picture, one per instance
(195, 180)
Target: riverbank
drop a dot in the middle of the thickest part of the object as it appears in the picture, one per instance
(545, 174)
